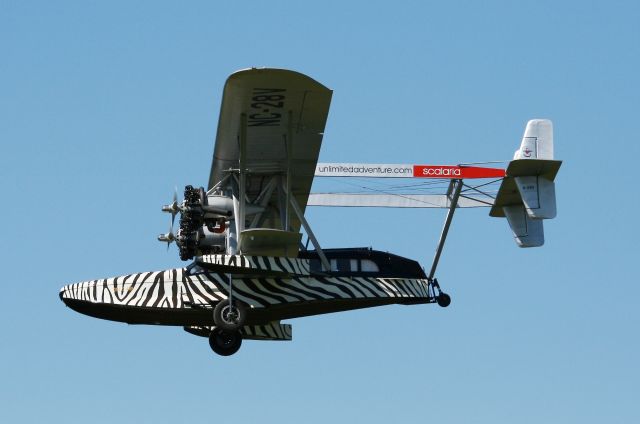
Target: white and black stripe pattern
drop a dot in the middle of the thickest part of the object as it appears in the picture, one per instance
(271, 331)
(174, 289)
(292, 266)
(263, 292)
(164, 289)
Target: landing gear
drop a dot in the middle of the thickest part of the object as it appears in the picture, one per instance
(229, 316)
(225, 343)
(443, 300)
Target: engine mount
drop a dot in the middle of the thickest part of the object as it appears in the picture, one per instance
(202, 228)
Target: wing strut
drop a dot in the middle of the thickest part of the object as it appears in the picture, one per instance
(289, 146)
(240, 218)
(219, 184)
(263, 201)
(296, 208)
(453, 193)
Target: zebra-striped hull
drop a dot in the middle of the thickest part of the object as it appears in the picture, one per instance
(270, 331)
(174, 297)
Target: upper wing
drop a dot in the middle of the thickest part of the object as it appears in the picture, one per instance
(282, 115)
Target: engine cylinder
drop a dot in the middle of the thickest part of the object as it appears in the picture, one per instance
(202, 226)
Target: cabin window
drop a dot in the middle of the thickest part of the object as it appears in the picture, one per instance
(344, 265)
(354, 265)
(367, 265)
(315, 265)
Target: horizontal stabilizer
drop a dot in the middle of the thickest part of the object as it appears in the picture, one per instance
(529, 182)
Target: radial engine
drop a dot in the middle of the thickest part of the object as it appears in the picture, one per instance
(204, 223)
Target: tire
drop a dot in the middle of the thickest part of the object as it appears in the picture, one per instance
(225, 343)
(444, 300)
(225, 320)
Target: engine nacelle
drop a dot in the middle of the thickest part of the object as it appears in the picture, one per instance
(219, 204)
(202, 226)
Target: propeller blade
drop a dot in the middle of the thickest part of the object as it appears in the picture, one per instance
(173, 209)
(168, 237)
(174, 206)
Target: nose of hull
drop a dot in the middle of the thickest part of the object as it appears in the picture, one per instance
(65, 293)
(74, 296)
(78, 291)
(82, 297)
(153, 297)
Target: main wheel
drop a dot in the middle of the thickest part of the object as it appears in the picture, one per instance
(225, 343)
(444, 300)
(229, 317)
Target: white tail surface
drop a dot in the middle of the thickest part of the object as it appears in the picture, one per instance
(537, 141)
(538, 195)
(526, 231)
(528, 194)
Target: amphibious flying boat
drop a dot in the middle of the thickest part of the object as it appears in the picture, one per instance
(248, 269)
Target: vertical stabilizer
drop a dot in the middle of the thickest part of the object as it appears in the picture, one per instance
(537, 141)
(538, 195)
(527, 194)
(527, 232)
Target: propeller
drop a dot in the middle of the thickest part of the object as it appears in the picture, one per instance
(168, 237)
(173, 209)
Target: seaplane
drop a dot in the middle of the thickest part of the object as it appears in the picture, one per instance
(242, 235)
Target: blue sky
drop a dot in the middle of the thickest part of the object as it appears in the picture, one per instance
(106, 106)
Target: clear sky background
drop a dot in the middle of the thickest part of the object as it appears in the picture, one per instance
(106, 106)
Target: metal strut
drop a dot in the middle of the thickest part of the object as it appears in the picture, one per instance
(453, 193)
(239, 197)
(326, 266)
(230, 280)
(242, 189)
